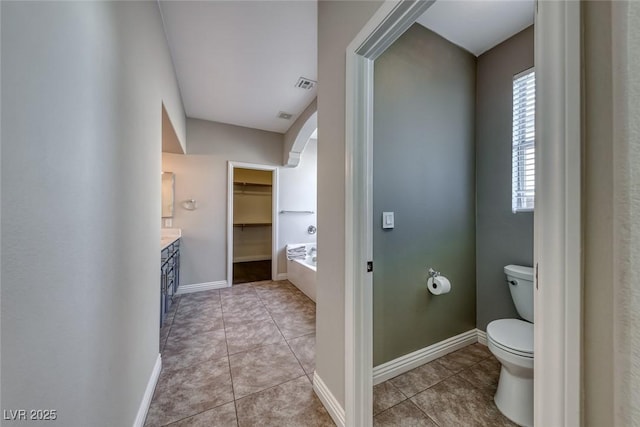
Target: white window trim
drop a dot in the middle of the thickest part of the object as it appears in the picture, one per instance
(515, 189)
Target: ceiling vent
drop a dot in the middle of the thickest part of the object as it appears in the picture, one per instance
(305, 83)
(283, 115)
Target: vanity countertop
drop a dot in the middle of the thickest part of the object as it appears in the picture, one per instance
(168, 236)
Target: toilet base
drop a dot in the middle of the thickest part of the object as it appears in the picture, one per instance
(514, 398)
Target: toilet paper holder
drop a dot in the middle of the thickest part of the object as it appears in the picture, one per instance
(437, 283)
(433, 273)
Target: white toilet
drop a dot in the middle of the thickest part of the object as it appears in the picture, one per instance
(511, 341)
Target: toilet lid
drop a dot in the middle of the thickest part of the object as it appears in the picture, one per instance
(512, 334)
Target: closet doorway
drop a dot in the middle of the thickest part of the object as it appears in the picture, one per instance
(251, 223)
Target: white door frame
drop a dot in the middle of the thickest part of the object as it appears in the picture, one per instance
(557, 216)
(231, 165)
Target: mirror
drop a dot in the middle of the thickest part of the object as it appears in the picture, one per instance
(168, 183)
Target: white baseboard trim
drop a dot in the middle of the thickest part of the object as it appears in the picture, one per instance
(265, 257)
(282, 276)
(405, 363)
(329, 400)
(148, 394)
(482, 337)
(198, 287)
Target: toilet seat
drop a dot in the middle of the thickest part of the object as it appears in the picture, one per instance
(512, 335)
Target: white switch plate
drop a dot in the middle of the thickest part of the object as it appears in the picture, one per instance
(387, 220)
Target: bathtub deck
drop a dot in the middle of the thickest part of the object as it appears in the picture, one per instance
(303, 277)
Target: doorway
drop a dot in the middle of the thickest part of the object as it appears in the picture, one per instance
(251, 223)
(557, 218)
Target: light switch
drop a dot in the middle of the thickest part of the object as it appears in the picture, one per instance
(387, 220)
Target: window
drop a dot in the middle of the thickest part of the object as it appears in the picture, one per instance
(523, 181)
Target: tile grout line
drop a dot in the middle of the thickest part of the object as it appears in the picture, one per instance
(432, 385)
(454, 374)
(213, 407)
(396, 387)
(291, 350)
(259, 345)
(225, 326)
(235, 400)
(196, 414)
(273, 386)
(170, 326)
(411, 402)
(392, 406)
(419, 408)
(480, 389)
(425, 413)
(304, 374)
(276, 322)
(287, 341)
(226, 342)
(172, 371)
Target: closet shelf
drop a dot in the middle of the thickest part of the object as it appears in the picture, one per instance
(252, 193)
(252, 224)
(255, 184)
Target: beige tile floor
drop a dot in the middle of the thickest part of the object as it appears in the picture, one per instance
(240, 356)
(245, 356)
(454, 390)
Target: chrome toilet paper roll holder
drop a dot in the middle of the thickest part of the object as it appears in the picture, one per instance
(433, 273)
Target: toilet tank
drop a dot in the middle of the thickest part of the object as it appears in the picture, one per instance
(520, 282)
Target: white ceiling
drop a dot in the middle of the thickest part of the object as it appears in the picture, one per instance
(237, 61)
(478, 25)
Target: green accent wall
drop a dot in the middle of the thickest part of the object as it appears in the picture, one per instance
(424, 171)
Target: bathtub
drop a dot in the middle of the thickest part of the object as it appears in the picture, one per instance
(302, 272)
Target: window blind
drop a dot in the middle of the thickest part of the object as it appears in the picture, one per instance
(523, 142)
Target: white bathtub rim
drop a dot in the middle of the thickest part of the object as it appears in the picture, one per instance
(303, 277)
(305, 263)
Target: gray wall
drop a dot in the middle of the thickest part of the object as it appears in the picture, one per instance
(424, 171)
(82, 88)
(502, 237)
(338, 24)
(201, 174)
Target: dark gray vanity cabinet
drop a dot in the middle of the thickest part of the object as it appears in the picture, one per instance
(169, 277)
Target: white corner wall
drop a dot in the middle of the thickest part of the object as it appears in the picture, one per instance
(298, 192)
(296, 138)
(82, 87)
(338, 23)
